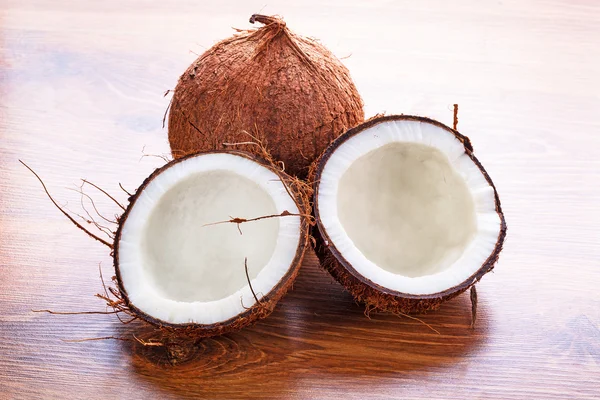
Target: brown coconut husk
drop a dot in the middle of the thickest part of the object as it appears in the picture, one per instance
(116, 297)
(288, 91)
(374, 296)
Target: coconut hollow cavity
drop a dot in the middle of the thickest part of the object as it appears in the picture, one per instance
(406, 215)
(184, 257)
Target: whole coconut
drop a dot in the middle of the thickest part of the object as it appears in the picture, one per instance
(267, 85)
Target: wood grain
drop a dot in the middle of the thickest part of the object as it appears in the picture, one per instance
(81, 96)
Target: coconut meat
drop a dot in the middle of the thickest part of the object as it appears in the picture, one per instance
(177, 266)
(407, 208)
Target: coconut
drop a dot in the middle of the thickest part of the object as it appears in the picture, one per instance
(268, 85)
(208, 244)
(406, 216)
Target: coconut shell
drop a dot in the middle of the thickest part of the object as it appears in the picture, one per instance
(374, 296)
(271, 85)
(253, 313)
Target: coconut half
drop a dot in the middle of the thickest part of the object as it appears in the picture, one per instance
(406, 216)
(180, 263)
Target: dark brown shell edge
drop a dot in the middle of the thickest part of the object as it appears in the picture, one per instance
(364, 290)
(252, 314)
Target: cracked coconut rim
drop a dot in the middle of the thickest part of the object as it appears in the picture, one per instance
(403, 205)
(177, 269)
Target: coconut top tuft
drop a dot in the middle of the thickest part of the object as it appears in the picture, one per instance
(265, 85)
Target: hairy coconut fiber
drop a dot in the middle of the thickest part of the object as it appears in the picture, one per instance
(374, 296)
(270, 85)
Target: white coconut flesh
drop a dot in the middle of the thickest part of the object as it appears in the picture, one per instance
(407, 208)
(177, 268)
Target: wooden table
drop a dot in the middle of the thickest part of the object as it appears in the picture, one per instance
(81, 96)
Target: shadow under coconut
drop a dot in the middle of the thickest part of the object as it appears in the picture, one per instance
(317, 333)
(351, 342)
